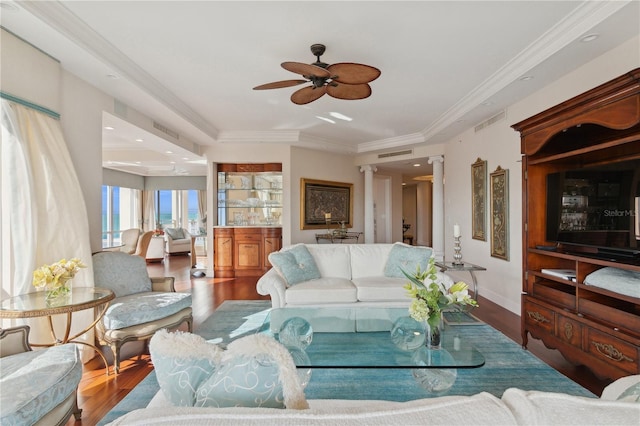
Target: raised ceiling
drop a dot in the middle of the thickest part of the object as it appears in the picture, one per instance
(190, 66)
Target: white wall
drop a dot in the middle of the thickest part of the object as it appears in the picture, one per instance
(500, 146)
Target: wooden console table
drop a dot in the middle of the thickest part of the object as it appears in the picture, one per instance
(338, 237)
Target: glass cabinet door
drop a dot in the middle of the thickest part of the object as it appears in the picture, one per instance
(249, 198)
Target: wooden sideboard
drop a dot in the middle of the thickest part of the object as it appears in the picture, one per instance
(244, 251)
(588, 325)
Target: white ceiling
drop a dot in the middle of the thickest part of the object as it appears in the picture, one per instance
(191, 65)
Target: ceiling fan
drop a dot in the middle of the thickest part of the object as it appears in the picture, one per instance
(344, 80)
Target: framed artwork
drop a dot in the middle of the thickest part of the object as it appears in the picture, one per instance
(324, 202)
(479, 200)
(500, 213)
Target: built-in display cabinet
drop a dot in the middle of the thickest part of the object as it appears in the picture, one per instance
(249, 218)
(589, 325)
(249, 194)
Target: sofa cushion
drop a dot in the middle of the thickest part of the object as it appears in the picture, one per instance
(332, 260)
(140, 308)
(322, 290)
(407, 258)
(295, 264)
(33, 383)
(368, 260)
(182, 362)
(549, 408)
(175, 233)
(121, 272)
(254, 371)
(381, 289)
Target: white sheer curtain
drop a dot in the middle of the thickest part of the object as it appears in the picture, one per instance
(149, 211)
(202, 208)
(43, 216)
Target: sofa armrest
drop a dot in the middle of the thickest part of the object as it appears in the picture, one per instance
(15, 340)
(272, 284)
(164, 284)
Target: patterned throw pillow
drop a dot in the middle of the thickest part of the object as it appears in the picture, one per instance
(407, 258)
(254, 371)
(295, 265)
(631, 394)
(175, 233)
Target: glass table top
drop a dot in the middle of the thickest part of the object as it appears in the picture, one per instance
(366, 338)
(34, 304)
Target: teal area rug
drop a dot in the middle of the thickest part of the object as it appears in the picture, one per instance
(506, 365)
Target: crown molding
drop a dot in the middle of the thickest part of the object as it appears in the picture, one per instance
(57, 16)
(392, 143)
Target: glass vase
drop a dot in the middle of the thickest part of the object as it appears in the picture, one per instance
(58, 296)
(434, 331)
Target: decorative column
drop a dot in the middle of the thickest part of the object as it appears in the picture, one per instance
(438, 206)
(369, 228)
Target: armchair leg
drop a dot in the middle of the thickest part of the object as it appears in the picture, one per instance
(77, 412)
(115, 349)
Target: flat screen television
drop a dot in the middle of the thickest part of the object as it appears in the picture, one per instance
(596, 210)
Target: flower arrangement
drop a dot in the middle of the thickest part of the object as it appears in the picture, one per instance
(54, 278)
(430, 298)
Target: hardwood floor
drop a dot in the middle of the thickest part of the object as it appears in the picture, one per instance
(98, 393)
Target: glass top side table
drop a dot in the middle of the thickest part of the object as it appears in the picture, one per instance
(33, 305)
(464, 266)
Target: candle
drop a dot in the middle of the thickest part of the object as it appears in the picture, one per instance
(327, 216)
(456, 230)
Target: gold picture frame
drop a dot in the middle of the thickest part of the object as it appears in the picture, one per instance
(323, 203)
(479, 200)
(499, 182)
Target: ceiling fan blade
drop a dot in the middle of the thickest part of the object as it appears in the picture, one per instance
(349, 91)
(308, 94)
(350, 73)
(305, 69)
(280, 84)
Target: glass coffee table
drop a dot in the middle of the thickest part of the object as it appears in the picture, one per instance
(367, 337)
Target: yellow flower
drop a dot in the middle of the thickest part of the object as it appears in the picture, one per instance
(56, 275)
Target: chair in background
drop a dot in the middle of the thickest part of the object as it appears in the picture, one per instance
(37, 387)
(143, 244)
(142, 306)
(129, 238)
(177, 240)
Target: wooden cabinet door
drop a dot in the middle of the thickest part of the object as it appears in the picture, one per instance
(223, 254)
(247, 255)
(271, 244)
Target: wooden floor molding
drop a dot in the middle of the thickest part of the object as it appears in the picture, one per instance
(98, 393)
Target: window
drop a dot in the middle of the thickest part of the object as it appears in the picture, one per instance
(178, 209)
(120, 211)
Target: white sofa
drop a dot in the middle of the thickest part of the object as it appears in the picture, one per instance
(350, 275)
(516, 407)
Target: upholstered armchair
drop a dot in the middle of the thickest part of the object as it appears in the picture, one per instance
(142, 306)
(129, 238)
(177, 240)
(37, 387)
(143, 244)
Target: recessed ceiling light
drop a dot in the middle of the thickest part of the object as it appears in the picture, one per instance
(139, 140)
(589, 37)
(168, 152)
(108, 128)
(185, 158)
(138, 162)
(417, 165)
(172, 162)
(328, 120)
(340, 116)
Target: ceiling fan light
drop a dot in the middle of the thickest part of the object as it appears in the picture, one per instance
(340, 116)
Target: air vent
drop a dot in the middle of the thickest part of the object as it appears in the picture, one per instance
(395, 154)
(166, 130)
(499, 116)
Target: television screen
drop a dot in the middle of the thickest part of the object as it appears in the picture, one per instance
(596, 207)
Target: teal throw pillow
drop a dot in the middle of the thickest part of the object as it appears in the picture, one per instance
(182, 362)
(631, 394)
(175, 233)
(295, 265)
(407, 258)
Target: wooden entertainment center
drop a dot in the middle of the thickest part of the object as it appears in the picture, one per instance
(589, 325)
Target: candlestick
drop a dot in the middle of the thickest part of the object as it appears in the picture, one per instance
(457, 255)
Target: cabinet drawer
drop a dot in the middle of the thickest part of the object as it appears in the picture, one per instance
(248, 237)
(612, 350)
(615, 316)
(569, 331)
(539, 316)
